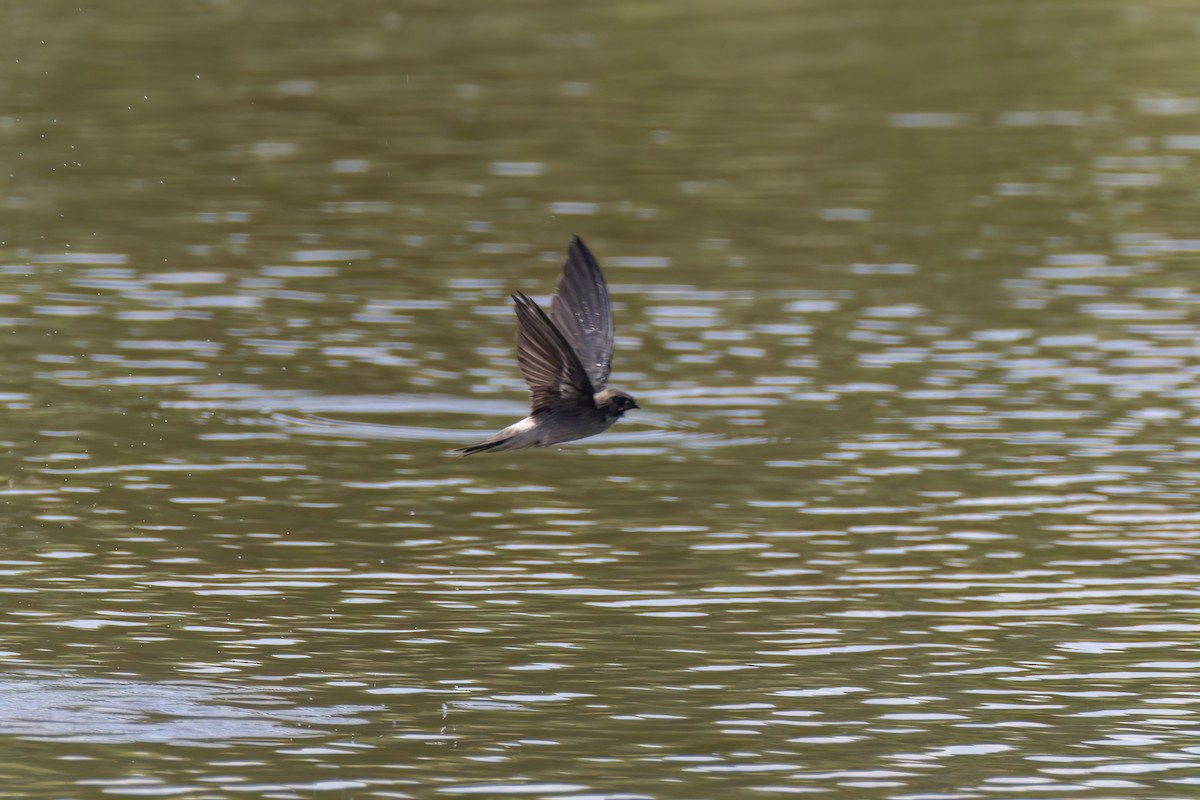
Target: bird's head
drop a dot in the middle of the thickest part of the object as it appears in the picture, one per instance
(614, 402)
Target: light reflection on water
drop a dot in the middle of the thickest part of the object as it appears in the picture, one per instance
(48, 707)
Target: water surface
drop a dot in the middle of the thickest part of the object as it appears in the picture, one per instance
(908, 296)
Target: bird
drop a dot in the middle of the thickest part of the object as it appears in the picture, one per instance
(565, 358)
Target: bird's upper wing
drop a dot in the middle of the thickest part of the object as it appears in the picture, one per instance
(547, 362)
(582, 311)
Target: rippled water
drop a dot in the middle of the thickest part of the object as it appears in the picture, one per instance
(907, 293)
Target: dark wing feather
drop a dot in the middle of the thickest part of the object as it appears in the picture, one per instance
(547, 362)
(582, 311)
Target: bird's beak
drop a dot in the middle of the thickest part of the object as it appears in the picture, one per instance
(635, 405)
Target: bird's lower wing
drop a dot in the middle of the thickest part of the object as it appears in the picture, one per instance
(547, 361)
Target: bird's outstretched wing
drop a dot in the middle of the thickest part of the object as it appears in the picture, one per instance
(547, 361)
(582, 312)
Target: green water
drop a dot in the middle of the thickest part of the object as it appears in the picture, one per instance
(907, 292)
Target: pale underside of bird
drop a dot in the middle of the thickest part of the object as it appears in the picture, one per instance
(565, 358)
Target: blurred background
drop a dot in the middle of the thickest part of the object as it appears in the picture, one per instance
(908, 294)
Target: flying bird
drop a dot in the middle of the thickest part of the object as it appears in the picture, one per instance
(565, 358)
